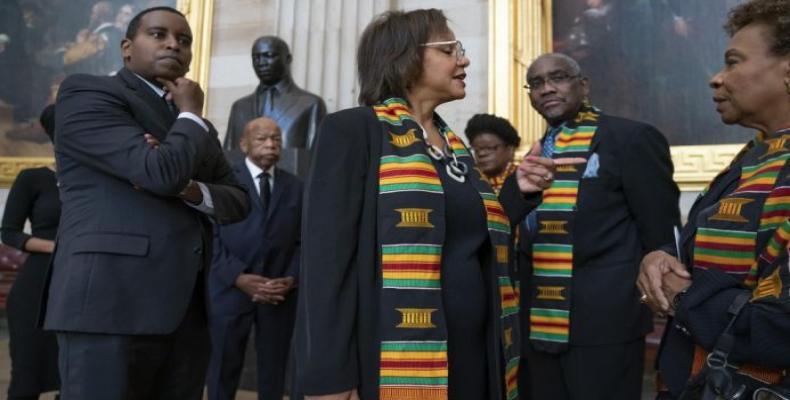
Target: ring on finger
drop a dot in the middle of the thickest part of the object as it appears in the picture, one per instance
(643, 299)
(547, 177)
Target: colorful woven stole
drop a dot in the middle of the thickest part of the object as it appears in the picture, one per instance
(746, 230)
(552, 246)
(411, 229)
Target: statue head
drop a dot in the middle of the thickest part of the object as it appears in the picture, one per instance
(271, 59)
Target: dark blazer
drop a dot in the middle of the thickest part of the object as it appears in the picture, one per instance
(128, 250)
(336, 339)
(628, 210)
(266, 245)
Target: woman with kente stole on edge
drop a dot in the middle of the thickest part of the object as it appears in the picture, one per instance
(733, 262)
(404, 288)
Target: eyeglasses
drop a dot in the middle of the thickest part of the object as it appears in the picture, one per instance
(487, 149)
(556, 79)
(459, 50)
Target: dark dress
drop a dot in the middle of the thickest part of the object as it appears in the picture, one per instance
(464, 287)
(34, 353)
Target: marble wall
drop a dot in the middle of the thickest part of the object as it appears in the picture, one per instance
(323, 35)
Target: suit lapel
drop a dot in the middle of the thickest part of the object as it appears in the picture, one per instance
(163, 116)
(246, 179)
(280, 186)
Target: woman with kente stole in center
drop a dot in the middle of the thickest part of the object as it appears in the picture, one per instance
(405, 291)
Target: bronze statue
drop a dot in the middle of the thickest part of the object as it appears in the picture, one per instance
(296, 111)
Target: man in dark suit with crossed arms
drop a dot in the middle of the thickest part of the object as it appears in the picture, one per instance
(126, 290)
(255, 267)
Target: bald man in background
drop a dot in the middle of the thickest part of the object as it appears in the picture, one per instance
(255, 269)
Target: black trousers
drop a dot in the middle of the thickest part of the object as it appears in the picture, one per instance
(273, 326)
(611, 372)
(131, 367)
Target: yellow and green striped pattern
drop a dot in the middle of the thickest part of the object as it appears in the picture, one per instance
(776, 209)
(549, 324)
(574, 140)
(456, 144)
(508, 298)
(495, 214)
(561, 196)
(552, 260)
(761, 177)
(776, 244)
(410, 173)
(411, 266)
(393, 111)
(511, 378)
(726, 250)
(413, 370)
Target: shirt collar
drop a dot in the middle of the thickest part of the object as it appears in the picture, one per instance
(255, 170)
(283, 86)
(159, 91)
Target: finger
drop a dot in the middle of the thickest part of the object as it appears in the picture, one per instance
(679, 269)
(536, 149)
(654, 289)
(538, 168)
(169, 85)
(569, 161)
(539, 161)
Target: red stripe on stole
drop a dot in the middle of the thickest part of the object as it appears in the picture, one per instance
(758, 188)
(413, 364)
(565, 195)
(724, 267)
(495, 210)
(511, 380)
(548, 324)
(508, 296)
(428, 266)
(782, 191)
(725, 246)
(407, 172)
(566, 258)
(763, 170)
(777, 213)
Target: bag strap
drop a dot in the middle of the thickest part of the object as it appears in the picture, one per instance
(718, 377)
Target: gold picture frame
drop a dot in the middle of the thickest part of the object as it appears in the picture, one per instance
(199, 13)
(519, 31)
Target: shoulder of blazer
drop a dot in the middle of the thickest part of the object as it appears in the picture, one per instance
(621, 130)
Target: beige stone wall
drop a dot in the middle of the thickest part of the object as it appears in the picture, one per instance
(323, 36)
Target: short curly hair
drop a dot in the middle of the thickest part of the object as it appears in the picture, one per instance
(774, 13)
(489, 123)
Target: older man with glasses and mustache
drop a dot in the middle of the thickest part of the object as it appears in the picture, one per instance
(583, 323)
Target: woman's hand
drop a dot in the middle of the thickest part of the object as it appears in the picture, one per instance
(656, 268)
(349, 395)
(535, 173)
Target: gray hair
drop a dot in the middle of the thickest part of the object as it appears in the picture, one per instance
(574, 66)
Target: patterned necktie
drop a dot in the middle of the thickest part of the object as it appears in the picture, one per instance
(265, 191)
(548, 150)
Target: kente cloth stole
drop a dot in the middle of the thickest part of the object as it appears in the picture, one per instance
(411, 232)
(736, 232)
(552, 246)
(746, 230)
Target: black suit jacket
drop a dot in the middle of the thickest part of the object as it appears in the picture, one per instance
(128, 250)
(628, 210)
(266, 245)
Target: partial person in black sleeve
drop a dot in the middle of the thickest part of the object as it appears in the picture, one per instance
(735, 244)
(34, 352)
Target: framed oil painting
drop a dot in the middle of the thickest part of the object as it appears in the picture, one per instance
(649, 60)
(43, 41)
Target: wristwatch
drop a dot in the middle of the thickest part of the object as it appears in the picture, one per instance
(676, 300)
